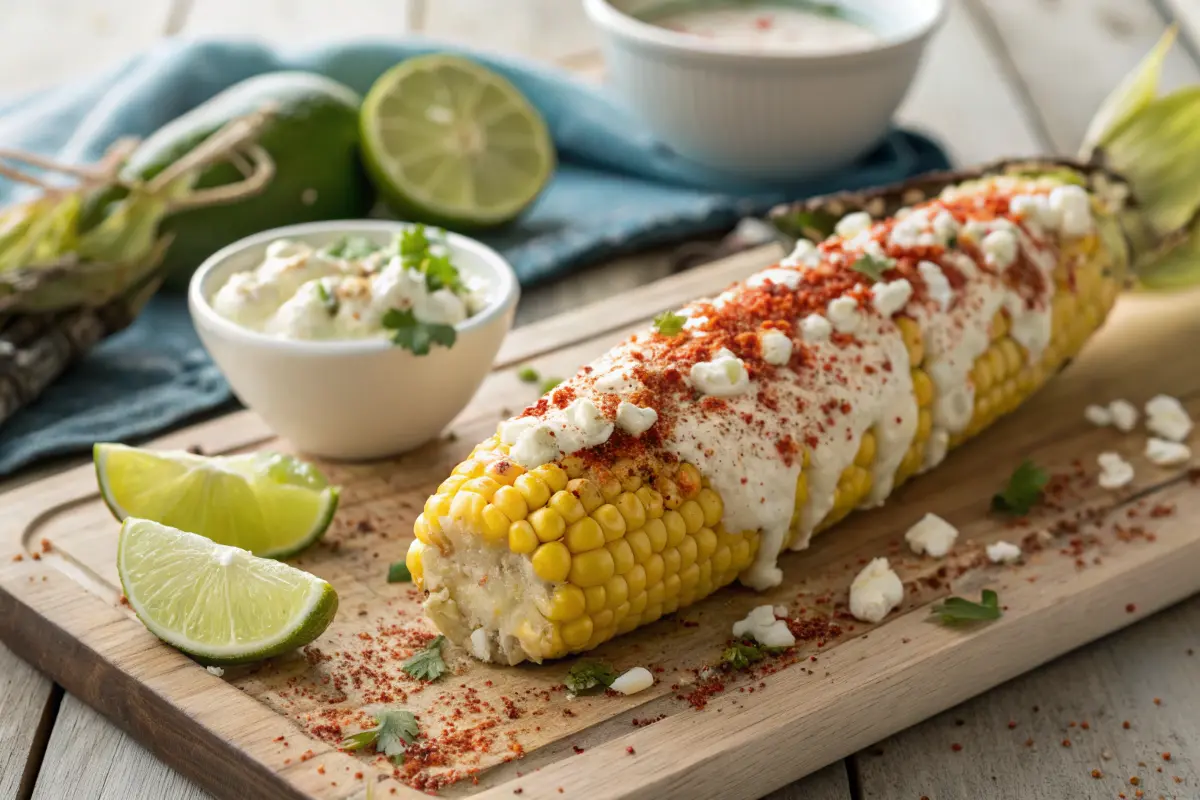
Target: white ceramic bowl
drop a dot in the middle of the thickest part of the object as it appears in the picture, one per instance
(353, 399)
(771, 115)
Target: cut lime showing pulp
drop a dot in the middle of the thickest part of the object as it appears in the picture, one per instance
(220, 604)
(449, 142)
(270, 504)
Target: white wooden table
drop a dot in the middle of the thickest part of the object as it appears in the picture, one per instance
(1004, 77)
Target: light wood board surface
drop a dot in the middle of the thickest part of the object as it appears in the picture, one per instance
(986, 90)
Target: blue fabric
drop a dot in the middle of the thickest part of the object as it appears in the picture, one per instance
(617, 189)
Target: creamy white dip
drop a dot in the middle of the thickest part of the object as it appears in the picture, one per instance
(808, 27)
(345, 290)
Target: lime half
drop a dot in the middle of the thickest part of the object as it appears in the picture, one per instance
(449, 142)
(270, 504)
(220, 604)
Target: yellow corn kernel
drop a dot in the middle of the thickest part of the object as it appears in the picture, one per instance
(469, 468)
(601, 623)
(584, 534)
(996, 362)
(655, 596)
(651, 500)
(521, 538)
(639, 544)
(533, 489)
(595, 597)
(567, 505)
(610, 487)
(421, 530)
(577, 632)
(616, 591)
(622, 554)
(503, 471)
(672, 584)
(722, 559)
(511, 503)
(924, 424)
(548, 524)
(552, 562)
(689, 481)
(693, 516)
(466, 507)
(866, 451)
(741, 555)
(705, 585)
(655, 568)
(566, 602)
(676, 527)
(626, 472)
(922, 387)
(483, 486)
(451, 484)
(553, 476)
(689, 576)
(710, 503)
(706, 544)
(656, 534)
(911, 333)
(572, 467)
(438, 506)
(672, 560)
(620, 613)
(999, 326)
(631, 509)
(592, 568)
(981, 375)
(637, 604)
(587, 492)
(670, 492)
(412, 560)
(611, 521)
(1014, 356)
(635, 579)
(688, 550)
(494, 524)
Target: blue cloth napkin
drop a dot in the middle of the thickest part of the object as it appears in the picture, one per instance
(617, 189)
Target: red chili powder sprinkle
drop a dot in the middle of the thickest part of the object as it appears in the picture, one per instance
(1166, 756)
(630, 750)
(1125, 724)
(1097, 773)
(956, 747)
(1066, 742)
(1130, 608)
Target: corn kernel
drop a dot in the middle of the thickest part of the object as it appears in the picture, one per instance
(656, 533)
(535, 491)
(521, 538)
(567, 505)
(421, 530)
(705, 585)
(722, 559)
(584, 534)
(438, 506)
(689, 577)
(655, 569)
(626, 472)
(552, 562)
(622, 555)
(610, 488)
(553, 476)
(600, 622)
(595, 597)
(503, 471)
(672, 560)
(741, 555)
(637, 604)
(577, 632)
(706, 544)
(621, 612)
(689, 480)
(616, 591)
(712, 506)
(572, 467)
(587, 492)
(688, 550)
(653, 612)
(631, 509)
(922, 387)
(483, 486)
(451, 484)
(640, 546)
(866, 451)
(671, 588)
(676, 527)
(635, 579)
(511, 503)
(911, 333)
(494, 525)
(466, 507)
(924, 424)
(669, 490)
(651, 500)
(412, 560)
(469, 468)
(566, 602)
(592, 568)
(548, 524)
(981, 375)
(693, 516)
(655, 596)
(611, 521)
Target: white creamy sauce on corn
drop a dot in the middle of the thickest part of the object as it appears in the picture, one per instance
(301, 292)
(744, 412)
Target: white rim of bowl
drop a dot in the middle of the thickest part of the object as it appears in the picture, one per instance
(508, 290)
(608, 16)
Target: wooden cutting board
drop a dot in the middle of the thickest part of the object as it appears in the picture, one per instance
(1095, 561)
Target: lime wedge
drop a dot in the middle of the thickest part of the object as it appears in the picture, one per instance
(449, 142)
(220, 604)
(270, 504)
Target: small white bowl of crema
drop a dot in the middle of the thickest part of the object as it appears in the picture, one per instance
(355, 339)
(766, 90)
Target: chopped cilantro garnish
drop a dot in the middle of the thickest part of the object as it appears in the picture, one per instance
(394, 731)
(958, 609)
(669, 323)
(550, 383)
(1023, 491)
(412, 334)
(328, 299)
(398, 573)
(416, 251)
(741, 654)
(588, 676)
(528, 375)
(952, 243)
(427, 664)
(872, 266)
(351, 248)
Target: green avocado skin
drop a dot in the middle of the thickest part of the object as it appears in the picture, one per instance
(313, 140)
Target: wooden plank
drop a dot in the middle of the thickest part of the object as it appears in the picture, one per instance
(964, 96)
(88, 757)
(52, 41)
(28, 701)
(1013, 739)
(831, 783)
(1053, 45)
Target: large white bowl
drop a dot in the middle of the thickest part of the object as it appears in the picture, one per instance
(352, 399)
(766, 115)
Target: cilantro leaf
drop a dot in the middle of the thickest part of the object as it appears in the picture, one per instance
(427, 664)
(589, 675)
(550, 383)
(394, 731)
(528, 375)
(872, 266)
(669, 323)
(417, 336)
(958, 609)
(351, 248)
(398, 573)
(952, 243)
(1023, 491)
(741, 655)
(328, 300)
(415, 248)
(413, 242)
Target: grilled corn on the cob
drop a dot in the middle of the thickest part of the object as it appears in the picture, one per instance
(684, 460)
